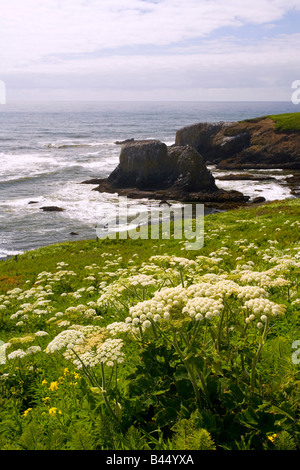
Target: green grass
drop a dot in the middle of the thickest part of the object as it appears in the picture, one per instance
(286, 122)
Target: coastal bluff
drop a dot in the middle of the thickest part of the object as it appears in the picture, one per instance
(151, 169)
(254, 143)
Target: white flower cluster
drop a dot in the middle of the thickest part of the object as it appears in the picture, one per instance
(261, 278)
(109, 353)
(174, 261)
(66, 339)
(220, 288)
(251, 292)
(168, 301)
(142, 280)
(203, 307)
(20, 353)
(111, 293)
(116, 328)
(17, 353)
(85, 310)
(264, 309)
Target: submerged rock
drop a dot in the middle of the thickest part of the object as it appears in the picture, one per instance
(52, 209)
(258, 200)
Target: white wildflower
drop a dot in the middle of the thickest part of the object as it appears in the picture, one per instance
(17, 353)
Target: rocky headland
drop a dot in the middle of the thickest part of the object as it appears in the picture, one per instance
(251, 144)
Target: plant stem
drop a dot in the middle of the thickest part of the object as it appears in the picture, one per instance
(257, 356)
(188, 368)
(220, 330)
(181, 276)
(106, 401)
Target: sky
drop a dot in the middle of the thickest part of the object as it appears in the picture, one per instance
(173, 50)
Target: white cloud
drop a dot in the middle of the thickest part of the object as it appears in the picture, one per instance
(34, 29)
(72, 38)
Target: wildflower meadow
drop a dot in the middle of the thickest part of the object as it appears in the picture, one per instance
(145, 345)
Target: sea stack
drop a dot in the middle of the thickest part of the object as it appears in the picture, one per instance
(151, 169)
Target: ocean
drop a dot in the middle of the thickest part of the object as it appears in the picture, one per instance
(48, 148)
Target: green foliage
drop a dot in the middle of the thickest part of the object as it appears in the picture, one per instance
(284, 441)
(188, 437)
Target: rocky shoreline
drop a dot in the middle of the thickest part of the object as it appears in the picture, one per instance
(254, 143)
(150, 169)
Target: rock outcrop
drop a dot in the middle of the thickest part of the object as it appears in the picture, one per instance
(255, 143)
(52, 209)
(150, 169)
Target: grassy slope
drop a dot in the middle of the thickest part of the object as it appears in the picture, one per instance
(284, 122)
(287, 122)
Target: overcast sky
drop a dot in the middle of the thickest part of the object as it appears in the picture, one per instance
(149, 49)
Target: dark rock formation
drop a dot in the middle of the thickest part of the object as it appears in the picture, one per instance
(150, 169)
(149, 165)
(52, 209)
(258, 200)
(248, 144)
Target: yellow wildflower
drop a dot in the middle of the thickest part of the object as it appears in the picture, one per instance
(44, 382)
(66, 371)
(53, 386)
(272, 438)
(52, 411)
(27, 411)
(45, 400)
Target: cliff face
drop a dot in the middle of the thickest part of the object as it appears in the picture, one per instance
(249, 144)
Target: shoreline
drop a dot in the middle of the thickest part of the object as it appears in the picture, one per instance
(211, 211)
